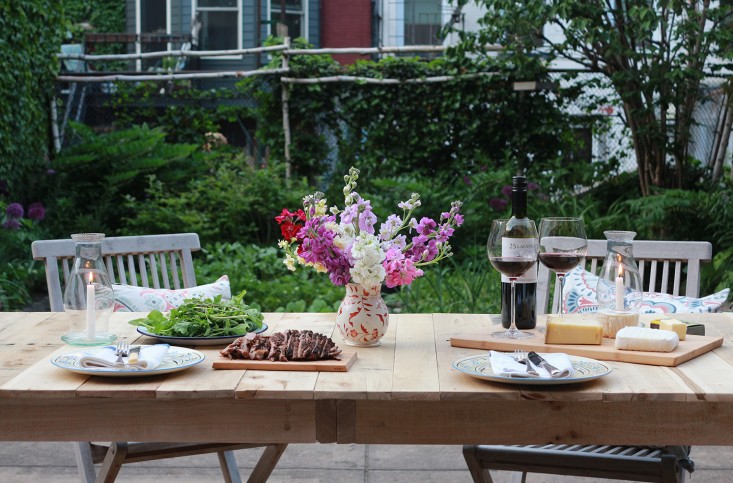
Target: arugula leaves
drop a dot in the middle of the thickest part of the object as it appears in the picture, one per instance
(204, 318)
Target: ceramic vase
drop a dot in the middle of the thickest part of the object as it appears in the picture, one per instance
(362, 318)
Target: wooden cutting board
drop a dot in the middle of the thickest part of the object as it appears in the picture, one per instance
(331, 365)
(691, 347)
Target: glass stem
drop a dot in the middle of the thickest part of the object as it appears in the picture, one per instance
(561, 281)
(513, 326)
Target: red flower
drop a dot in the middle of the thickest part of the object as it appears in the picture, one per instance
(288, 225)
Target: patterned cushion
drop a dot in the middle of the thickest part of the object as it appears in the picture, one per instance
(580, 297)
(143, 299)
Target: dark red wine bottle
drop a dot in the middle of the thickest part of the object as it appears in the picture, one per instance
(525, 289)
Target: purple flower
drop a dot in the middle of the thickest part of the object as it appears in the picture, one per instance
(467, 180)
(15, 210)
(498, 204)
(506, 190)
(426, 226)
(51, 171)
(12, 224)
(532, 186)
(36, 211)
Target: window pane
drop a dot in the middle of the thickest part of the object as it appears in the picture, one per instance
(422, 22)
(218, 3)
(152, 16)
(219, 31)
(293, 21)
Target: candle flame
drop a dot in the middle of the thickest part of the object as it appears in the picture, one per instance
(620, 267)
(91, 278)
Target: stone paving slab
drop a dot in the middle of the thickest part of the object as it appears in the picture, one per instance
(304, 463)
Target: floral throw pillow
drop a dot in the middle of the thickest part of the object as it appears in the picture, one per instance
(143, 299)
(580, 297)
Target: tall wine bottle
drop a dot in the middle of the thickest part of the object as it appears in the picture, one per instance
(525, 292)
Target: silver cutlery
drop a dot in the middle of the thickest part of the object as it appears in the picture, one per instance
(123, 348)
(521, 357)
(537, 360)
(134, 356)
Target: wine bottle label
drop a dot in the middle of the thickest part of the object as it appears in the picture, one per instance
(519, 247)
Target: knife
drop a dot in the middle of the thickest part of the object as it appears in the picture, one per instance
(134, 355)
(538, 361)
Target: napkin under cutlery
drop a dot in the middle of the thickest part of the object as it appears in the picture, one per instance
(150, 357)
(503, 364)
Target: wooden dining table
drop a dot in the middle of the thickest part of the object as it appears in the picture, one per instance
(404, 391)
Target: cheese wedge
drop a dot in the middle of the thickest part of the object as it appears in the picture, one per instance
(646, 339)
(680, 328)
(569, 331)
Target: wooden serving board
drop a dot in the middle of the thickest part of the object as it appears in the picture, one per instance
(691, 347)
(330, 365)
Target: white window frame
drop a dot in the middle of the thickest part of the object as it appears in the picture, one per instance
(138, 27)
(304, 8)
(195, 9)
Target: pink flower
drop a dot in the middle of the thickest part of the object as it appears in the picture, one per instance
(400, 272)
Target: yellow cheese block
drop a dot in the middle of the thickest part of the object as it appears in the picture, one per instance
(670, 324)
(573, 331)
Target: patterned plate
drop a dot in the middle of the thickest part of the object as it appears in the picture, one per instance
(480, 367)
(177, 359)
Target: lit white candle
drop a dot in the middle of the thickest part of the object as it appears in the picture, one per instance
(620, 289)
(91, 302)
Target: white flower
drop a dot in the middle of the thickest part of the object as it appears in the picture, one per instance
(368, 257)
(289, 262)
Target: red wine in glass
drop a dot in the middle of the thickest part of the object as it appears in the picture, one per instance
(563, 245)
(560, 262)
(512, 267)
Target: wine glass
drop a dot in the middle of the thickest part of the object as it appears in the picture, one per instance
(563, 245)
(512, 250)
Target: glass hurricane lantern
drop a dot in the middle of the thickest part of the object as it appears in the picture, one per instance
(88, 295)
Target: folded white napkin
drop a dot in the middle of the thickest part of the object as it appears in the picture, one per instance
(503, 364)
(150, 358)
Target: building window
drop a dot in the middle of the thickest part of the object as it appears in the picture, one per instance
(422, 22)
(295, 18)
(220, 24)
(152, 27)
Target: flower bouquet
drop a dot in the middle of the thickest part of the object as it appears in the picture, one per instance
(345, 244)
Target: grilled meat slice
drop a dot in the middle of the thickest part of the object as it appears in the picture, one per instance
(291, 345)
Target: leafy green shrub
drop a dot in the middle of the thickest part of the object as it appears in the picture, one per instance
(94, 176)
(467, 286)
(230, 202)
(269, 284)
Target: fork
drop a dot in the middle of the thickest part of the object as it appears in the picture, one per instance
(521, 357)
(123, 347)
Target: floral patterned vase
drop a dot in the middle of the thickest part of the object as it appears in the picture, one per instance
(362, 317)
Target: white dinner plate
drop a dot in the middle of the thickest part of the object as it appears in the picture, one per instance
(177, 359)
(216, 340)
(584, 370)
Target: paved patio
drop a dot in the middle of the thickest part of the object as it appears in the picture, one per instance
(54, 462)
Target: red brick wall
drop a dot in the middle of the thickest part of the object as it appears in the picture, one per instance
(346, 23)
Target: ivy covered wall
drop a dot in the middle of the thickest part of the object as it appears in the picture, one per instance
(30, 32)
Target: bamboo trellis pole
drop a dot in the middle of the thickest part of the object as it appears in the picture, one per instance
(371, 80)
(286, 109)
(171, 53)
(168, 77)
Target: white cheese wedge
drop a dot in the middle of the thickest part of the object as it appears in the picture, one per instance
(573, 331)
(680, 328)
(646, 339)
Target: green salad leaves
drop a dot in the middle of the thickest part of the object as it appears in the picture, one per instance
(204, 318)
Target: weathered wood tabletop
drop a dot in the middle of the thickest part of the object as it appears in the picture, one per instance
(404, 391)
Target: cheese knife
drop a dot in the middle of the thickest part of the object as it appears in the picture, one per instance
(538, 361)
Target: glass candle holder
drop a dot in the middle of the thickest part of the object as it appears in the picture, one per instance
(88, 295)
(619, 289)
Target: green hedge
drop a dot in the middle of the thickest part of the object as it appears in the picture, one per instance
(30, 33)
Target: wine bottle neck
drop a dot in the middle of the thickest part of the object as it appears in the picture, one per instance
(519, 203)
